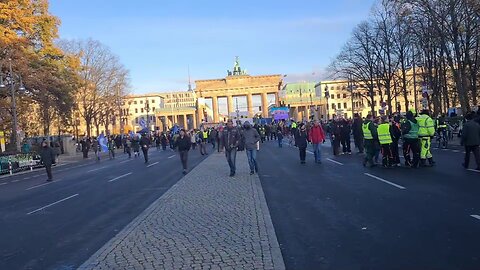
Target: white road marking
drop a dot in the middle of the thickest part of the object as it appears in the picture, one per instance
(385, 181)
(456, 151)
(475, 216)
(14, 181)
(97, 169)
(41, 185)
(472, 170)
(118, 177)
(52, 204)
(171, 156)
(155, 163)
(334, 161)
(310, 152)
(25, 178)
(1, 184)
(126, 160)
(444, 149)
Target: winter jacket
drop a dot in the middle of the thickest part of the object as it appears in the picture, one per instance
(471, 133)
(301, 138)
(184, 143)
(231, 138)
(250, 137)
(316, 134)
(47, 156)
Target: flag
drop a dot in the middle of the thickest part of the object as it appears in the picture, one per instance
(103, 142)
(142, 123)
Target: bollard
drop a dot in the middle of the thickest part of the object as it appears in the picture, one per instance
(10, 167)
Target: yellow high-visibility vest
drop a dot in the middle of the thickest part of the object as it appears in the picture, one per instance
(384, 134)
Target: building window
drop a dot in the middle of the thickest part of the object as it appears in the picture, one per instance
(153, 100)
(338, 96)
(136, 120)
(339, 105)
(141, 110)
(345, 105)
(332, 96)
(344, 95)
(129, 103)
(141, 101)
(135, 102)
(153, 109)
(333, 106)
(136, 110)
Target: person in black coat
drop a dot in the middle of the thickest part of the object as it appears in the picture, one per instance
(396, 134)
(301, 140)
(145, 144)
(358, 133)
(47, 157)
(183, 144)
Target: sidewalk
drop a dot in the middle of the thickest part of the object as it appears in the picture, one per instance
(205, 221)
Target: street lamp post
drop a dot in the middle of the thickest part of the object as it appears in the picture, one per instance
(327, 96)
(14, 104)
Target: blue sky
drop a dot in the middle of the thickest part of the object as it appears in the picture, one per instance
(158, 40)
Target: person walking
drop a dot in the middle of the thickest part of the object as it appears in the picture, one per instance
(358, 133)
(212, 136)
(471, 140)
(96, 148)
(425, 132)
(128, 146)
(203, 137)
(111, 148)
(280, 136)
(136, 146)
(370, 135)
(301, 141)
(145, 144)
(410, 140)
(183, 144)
(231, 138)
(251, 139)
(316, 135)
(385, 140)
(345, 130)
(163, 141)
(158, 142)
(47, 158)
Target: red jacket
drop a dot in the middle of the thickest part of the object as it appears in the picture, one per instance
(316, 134)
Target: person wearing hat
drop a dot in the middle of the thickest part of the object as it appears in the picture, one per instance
(301, 141)
(250, 140)
(410, 140)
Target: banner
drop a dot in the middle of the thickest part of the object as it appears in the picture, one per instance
(280, 113)
(2, 141)
(142, 123)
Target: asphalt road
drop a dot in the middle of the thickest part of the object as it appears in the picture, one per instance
(59, 225)
(340, 215)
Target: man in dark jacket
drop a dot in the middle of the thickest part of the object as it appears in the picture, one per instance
(251, 138)
(47, 157)
(358, 133)
(301, 141)
(230, 140)
(396, 135)
(410, 140)
(183, 143)
(471, 140)
(145, 144)
(345, 130)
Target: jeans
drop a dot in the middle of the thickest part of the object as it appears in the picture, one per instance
(317, 153)
(184, 158)
(231, 155)
(252, 159)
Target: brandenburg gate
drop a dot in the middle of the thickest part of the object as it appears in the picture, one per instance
(238, 92)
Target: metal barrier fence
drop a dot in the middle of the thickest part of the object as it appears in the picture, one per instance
(16, 163)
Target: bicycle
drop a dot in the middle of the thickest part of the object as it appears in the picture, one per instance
(442, 139)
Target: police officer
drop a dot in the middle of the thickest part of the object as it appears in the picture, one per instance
(426, 131)
(410, 139)
(385, 140)
(370, 134)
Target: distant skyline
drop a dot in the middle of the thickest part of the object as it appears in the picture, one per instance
(158, 41)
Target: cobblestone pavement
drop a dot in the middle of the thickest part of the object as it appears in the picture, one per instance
(205, 221)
